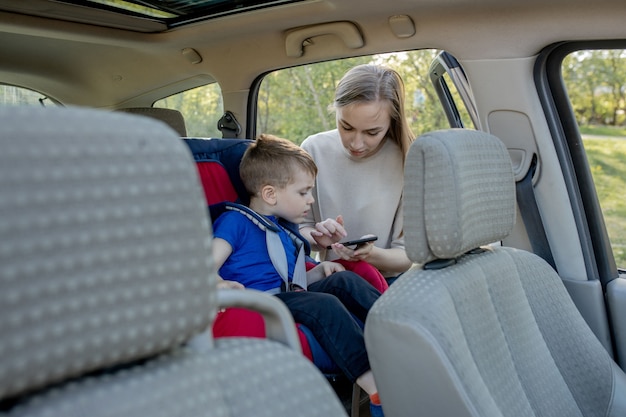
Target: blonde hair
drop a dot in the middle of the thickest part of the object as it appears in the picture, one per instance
(271, 160)
(365, 83)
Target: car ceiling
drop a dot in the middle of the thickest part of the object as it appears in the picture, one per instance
(111, 67)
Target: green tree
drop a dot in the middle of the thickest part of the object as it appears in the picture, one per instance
(423, 109)
(202, 108)
(615, 74)
(295, 103)
(18, 96)
(596, 84)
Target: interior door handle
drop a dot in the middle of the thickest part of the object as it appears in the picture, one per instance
(298, 38)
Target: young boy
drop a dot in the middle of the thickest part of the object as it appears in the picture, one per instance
(279, 177)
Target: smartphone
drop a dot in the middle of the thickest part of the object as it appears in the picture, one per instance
(357, 242)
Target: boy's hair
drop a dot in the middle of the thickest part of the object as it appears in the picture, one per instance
(271, 160)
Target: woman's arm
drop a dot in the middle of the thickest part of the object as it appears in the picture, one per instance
(392, 260)
(389, 260)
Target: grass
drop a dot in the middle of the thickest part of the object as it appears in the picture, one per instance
(607, 160)
(602, 130)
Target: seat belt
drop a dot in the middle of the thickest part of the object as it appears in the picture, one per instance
(228, 125)
(276, 250)
(527, 203)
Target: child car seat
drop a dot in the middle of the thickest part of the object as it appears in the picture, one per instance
(218, 162)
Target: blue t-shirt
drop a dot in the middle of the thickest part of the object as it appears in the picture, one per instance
(250, 263)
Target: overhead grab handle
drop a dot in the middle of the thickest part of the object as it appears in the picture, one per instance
(300, 37)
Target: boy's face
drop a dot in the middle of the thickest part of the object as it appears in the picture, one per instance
(294, 201)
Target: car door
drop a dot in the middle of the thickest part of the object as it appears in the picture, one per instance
(582, 86)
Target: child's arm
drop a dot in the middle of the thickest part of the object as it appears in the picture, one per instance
(228, 285)
(322, 270)
(221, 252)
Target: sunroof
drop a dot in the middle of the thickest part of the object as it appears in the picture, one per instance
(177, 12)
(130, 6)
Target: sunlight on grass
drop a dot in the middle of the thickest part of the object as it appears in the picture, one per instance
(603, 130)
(607, 160)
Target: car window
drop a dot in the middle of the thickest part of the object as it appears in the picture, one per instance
(454, 91)
(294, 103)
(17, 96)
(595, 81)
(201, 107)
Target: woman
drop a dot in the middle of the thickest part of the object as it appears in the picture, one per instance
(361, 163)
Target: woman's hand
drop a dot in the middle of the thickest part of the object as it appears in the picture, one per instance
(329, 231)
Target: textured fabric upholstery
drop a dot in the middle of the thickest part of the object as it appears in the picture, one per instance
(106, 274)
(171, 117)
(495, 333)
(80, 214)
(465, 199)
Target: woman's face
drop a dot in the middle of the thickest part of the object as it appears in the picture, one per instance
(363, 126)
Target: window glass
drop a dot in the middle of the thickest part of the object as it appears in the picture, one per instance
(596, 85)
(201, 107)
(295, 103)
(459, 105)
(17, 96)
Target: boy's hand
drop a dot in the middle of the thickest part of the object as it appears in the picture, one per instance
(322, 270)
(229, 285)
(329, 231)
(330, 268)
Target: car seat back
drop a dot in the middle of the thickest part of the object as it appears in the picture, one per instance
(173, 118)
(218, 162)
(106, 274)
(480, 329)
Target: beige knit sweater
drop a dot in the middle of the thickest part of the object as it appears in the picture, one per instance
(367, 192)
